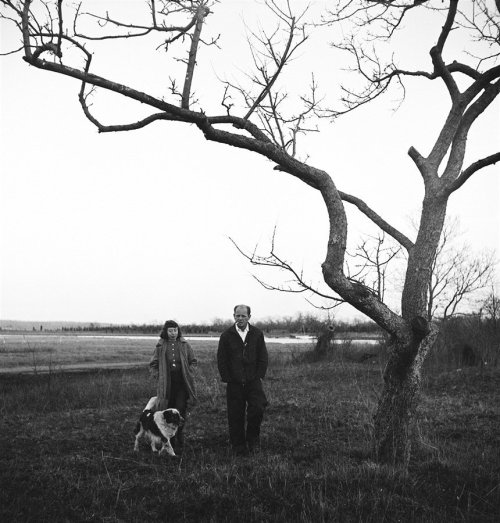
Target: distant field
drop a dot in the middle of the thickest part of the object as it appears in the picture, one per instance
(39, 351)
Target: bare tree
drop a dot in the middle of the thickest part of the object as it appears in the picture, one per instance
(55, 38)
(490, 314)
(491, 307)
(457, 274)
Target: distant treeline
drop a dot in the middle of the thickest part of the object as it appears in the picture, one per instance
(300, 324)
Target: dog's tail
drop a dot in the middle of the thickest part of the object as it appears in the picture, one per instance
(151, 404)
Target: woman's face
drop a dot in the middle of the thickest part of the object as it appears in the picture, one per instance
(172, 333)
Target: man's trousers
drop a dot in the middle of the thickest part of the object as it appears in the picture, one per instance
(246, 403)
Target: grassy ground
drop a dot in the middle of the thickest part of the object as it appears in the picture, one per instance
(67, 441)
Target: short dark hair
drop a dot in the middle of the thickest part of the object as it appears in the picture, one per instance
(249, 312)
(169, 324)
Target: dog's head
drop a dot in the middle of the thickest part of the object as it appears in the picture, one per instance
(173, 416)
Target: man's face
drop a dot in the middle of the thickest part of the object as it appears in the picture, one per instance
(241, 317)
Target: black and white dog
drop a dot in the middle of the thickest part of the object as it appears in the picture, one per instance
(158, 427)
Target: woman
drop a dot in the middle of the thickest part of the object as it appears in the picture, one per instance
(172, 365)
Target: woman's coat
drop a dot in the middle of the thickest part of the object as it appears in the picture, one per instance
(159, 370)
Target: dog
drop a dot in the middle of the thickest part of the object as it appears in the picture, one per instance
(158, 427)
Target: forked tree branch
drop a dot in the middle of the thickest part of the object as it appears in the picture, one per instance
(274, 261)
(132, 30)
(368, 212)
(375, 257)
(280, 63)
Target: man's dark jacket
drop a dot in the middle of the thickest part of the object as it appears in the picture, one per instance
(241, 362)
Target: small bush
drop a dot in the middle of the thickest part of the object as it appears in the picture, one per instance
(466, 341)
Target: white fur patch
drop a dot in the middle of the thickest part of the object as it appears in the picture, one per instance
(167, 429)
(151, 404)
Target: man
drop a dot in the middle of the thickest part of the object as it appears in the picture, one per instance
(242, 361)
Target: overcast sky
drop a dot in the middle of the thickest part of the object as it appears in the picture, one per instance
(135, 227)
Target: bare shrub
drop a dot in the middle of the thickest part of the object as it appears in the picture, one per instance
(466, 341)
(324, 341)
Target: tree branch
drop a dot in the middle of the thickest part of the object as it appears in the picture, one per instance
(141, 30)
(279, 61)
(472, 169)
(201, 13)
(274, 261)
(457, 153)
(421, 163)
(378, 220)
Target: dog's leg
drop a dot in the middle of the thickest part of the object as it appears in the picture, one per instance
(136, 443)
(167, 447)
(155, 440)
(138, 435)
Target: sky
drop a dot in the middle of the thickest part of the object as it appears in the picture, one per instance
(135, 227)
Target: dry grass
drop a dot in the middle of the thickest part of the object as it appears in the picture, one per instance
(42, 352)
(67, 455)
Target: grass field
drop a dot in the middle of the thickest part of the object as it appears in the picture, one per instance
(67, 439)
(34, 352)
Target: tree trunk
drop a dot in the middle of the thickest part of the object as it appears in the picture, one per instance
(396, 412)
(324, 342)
(395, 417)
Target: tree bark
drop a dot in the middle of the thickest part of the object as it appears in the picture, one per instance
(395, 418)
(396, 412)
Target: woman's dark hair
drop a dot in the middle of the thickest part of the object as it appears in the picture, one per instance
(168, 325)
